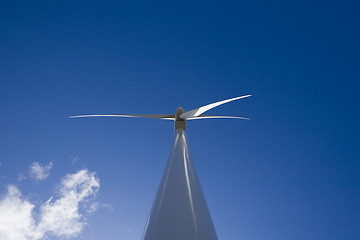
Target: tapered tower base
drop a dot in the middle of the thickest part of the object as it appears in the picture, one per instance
(179, 211)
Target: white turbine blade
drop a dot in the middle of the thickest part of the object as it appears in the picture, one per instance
(198, 111)
(155, 116)
(206, 117)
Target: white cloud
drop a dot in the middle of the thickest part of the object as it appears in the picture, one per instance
(40, 172)
(59, 217)
(16, 220)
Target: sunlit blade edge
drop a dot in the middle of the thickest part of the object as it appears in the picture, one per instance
(223, 117)
(198, 111)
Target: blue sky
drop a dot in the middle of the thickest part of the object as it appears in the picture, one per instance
(291, 172)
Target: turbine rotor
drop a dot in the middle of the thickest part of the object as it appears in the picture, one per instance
(180, 115)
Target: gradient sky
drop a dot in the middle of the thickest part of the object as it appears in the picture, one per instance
(291, 172)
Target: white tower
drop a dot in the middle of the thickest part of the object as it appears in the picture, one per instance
(179, 211)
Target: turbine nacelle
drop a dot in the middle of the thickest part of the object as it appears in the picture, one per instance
(179, 122)
(180, 115)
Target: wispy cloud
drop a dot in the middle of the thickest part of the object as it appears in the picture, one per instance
(106, 206)
(74, 160)
(40, 172)
(21, 177)
(59, 217)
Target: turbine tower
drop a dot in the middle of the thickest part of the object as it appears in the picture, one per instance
(179, 211)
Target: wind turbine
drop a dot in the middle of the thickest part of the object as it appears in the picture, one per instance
(179, 210)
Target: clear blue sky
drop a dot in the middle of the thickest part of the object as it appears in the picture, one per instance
(291, 172)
